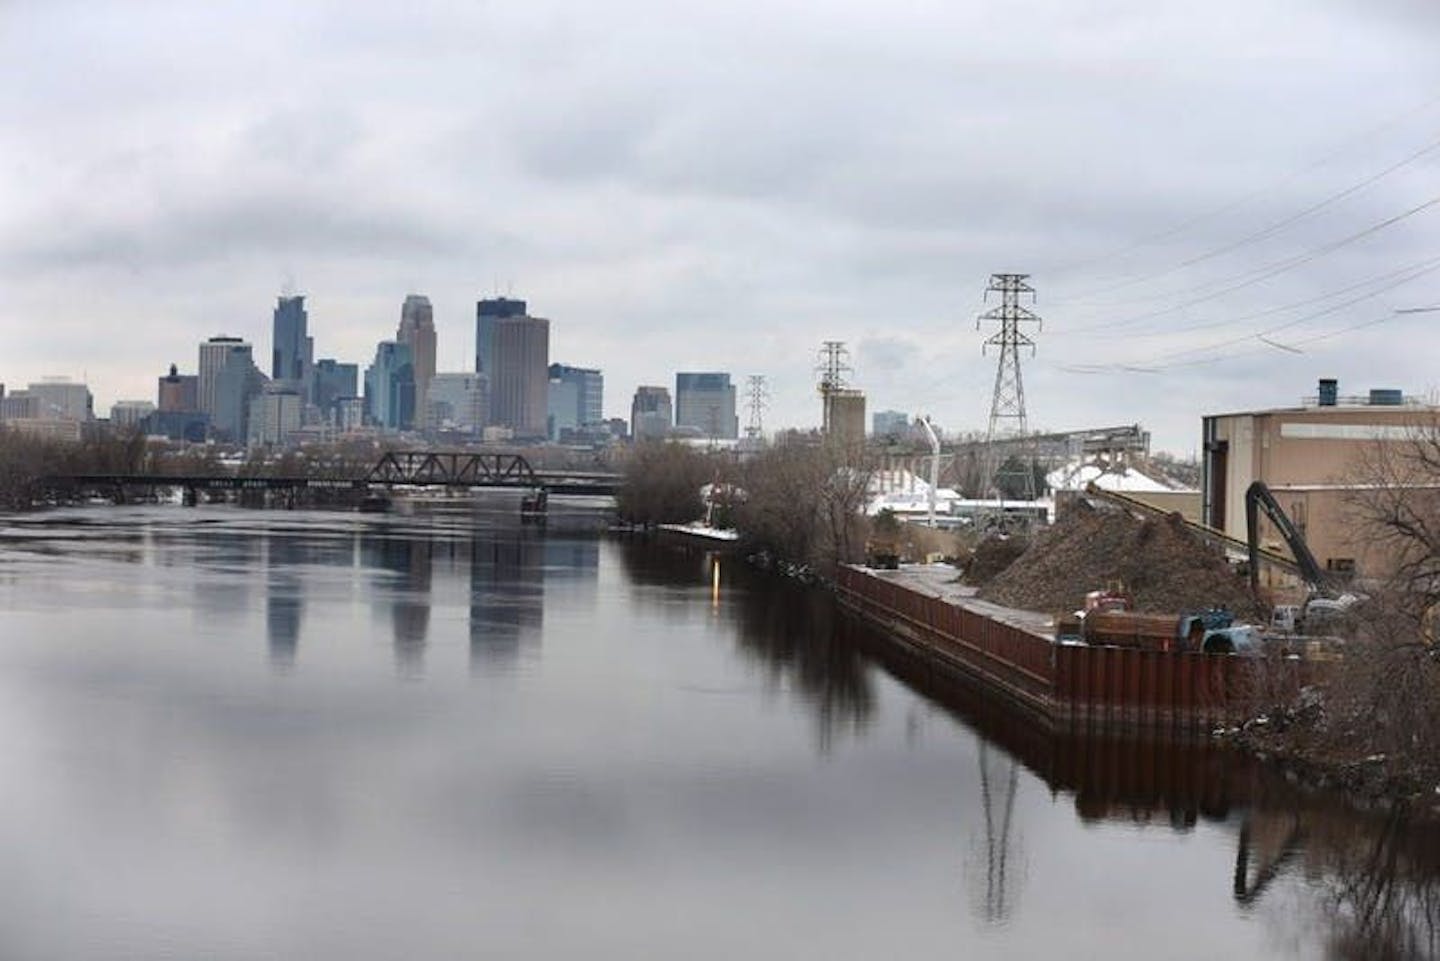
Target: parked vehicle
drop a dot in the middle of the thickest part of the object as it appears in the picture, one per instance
(1209, 631)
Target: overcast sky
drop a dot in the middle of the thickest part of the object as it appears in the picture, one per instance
(725, 186)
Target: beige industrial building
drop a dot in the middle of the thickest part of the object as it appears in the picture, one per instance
(844, 411)
(1312, 458)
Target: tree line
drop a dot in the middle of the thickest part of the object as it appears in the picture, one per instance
(798, 501)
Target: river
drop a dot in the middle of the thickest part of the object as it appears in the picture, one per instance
(234, 733)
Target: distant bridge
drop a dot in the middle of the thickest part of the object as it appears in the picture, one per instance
(394, 469)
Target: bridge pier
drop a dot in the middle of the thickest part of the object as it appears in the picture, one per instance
(191, 497)
(534, 506)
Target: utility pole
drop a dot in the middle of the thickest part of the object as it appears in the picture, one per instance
(833, 368)
(757, 397)
(1007, 405)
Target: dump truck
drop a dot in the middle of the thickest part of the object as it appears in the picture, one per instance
(1210, 631)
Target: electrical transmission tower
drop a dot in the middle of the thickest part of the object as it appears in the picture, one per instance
(832, 369)
(1007, 406)
(757, 397)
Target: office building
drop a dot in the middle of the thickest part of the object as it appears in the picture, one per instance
(48, 428)
(705, 403)
(227, 380)
(457, 402)
(520, 379)
(177, 392)
(187, 425)
(332, 381)
(275, 414)
(417, 331)
(390, 387)
(294, 350)
(129, 414)
(350, 413)
(19, 405)
(487, 312)
(234, 385)
(650, 413)
(576, 399)
(1310, 457)
(562, 403)
(60, 398)
(890, 423)
(214, 356)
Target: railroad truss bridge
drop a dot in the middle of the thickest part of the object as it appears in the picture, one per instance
(395, 469)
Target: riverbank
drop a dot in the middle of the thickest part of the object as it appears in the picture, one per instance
(928, 617)
(1299, 741)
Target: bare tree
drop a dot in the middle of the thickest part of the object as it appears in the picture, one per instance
(1381, 698)
(662, 484)
(805, 503)
(1396, 500)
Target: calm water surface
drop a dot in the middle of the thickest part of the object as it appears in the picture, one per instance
(242, 734)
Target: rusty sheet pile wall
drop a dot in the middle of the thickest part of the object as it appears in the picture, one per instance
(1074, 685)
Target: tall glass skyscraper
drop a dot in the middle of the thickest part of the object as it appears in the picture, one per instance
(705, 402)
(294, 350)
(486, 313)
(417, 330)
(390, 386)
(576, 398)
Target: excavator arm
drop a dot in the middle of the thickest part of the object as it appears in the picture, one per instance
(1258, 498)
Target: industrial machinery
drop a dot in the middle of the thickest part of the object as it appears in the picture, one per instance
(930, 435)
(1324, 601)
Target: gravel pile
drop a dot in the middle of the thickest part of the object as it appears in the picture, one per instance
(1163, 566)
(991, 556)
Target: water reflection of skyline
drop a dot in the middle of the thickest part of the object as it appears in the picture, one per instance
(504, 574)
(1370, 881)
(284, 600)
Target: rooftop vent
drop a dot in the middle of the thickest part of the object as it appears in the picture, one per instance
(1386, 397)
(1329, 391)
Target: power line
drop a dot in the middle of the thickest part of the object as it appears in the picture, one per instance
(1410, 273)
(1343, 146)
(1260, 274)
(1262, 334)
(1157, 368)
(1268, 231)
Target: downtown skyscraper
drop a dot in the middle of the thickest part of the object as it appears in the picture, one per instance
(705, 403)
(293, 350)
(487, 312)
(520, 382)
(417, 331)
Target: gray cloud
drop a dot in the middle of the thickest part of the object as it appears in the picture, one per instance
(727, 187)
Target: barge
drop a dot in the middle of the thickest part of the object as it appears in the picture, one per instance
(1014, 655)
